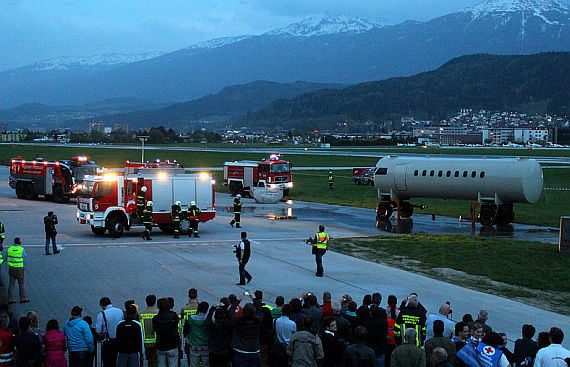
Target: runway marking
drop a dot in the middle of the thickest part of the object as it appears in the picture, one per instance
(146, 243)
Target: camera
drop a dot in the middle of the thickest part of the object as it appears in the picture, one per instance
(235, 249)
(309, 241)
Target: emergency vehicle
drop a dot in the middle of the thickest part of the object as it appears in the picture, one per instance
(363, 175)
(55, 180)
(272, 173)
(108, 202)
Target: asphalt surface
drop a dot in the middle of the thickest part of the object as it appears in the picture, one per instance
(90, 267)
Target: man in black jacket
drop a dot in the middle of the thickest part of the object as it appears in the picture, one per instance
(243, 251)
(332, 346)
(50, 221)
(165, 325)
(129, 339)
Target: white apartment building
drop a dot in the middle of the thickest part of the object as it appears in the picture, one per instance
(517, 135)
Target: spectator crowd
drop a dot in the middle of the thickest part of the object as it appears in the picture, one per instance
(242, 330)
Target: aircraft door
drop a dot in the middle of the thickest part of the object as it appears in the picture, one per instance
(400, 177)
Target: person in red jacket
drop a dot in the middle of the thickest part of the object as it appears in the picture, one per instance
(6, 343)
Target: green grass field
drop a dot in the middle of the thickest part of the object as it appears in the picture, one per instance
(313, 185)
(500, 266)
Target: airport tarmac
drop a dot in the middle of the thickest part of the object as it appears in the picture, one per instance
(90, 267)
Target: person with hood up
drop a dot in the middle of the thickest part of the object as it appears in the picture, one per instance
(80, 343)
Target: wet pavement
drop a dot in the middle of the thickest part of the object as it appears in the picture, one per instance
(364, 221)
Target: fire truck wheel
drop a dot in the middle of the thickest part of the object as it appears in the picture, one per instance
(20, 190)
(58, 194)
(98, 231)
(30, 194)
(166, 228)
(115, 227)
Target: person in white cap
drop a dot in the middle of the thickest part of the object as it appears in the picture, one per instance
(194, 218)
(237, 212)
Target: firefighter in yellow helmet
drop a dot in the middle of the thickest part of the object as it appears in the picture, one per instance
(147, 221)
(331, 180)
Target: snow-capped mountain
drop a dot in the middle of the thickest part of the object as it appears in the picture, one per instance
(217, 42)
(72, 62)
(332, 49)
(547, 10)
(329, 24)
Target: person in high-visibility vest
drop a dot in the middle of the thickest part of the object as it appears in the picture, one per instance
(194, 218)
(331, 180)
(176, 214)
(2, 237)
(237, 212)
(141, 201)
(149, 336)
(320, 244)
(147, 220)
(16, 255)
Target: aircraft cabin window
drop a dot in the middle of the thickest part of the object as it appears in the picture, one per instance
(448, 174)
(382, 171)
(424, 172)
(473, 174)
(431, 173)
(440, 173)
(416, 172)
(456, 173)
(464, 173)
(482, 174)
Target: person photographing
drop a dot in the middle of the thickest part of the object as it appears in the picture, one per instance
(50, 221)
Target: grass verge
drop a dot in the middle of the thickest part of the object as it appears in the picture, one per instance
(531, 272)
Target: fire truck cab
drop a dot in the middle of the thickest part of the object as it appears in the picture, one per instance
(108, 202)
(273, 173)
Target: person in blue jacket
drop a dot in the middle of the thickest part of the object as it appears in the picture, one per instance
(80, 342)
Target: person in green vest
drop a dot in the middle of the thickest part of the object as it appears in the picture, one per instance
(320, 244)
(149, 337)
(331, 180)
(15, 259)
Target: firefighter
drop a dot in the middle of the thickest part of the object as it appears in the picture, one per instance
(237, 211)
(141, 201)
(194, 218)
(2, 235)
(176, 213)
(331, 180)
(147, 221)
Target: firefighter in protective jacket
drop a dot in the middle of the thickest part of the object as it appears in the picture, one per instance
(176, 213)
(237, 212)
(147, 220)
(141, 201)
(194, 218)
(331, 180)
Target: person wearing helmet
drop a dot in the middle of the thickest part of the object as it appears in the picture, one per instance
(176, 213)
(194, 218)
(147, 221)
(237, 212)
(141, 201)
(331, 180)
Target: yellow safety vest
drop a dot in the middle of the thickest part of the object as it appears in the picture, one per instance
(187, 313)
(2, 230)
(16, 256)
(322, 239)
(146, 318)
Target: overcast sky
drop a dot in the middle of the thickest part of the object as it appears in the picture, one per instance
(35, 30)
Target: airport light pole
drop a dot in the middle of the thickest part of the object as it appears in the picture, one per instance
(143, 138)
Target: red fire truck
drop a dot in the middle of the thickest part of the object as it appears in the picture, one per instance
(108, 202)
(363, 175)
(273, 173)
(57, 180)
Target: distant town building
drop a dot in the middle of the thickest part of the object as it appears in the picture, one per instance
(97, 126)
(3, 127)
(517, 135)
(11, 137)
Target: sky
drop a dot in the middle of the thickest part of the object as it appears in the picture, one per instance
(36, 30)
